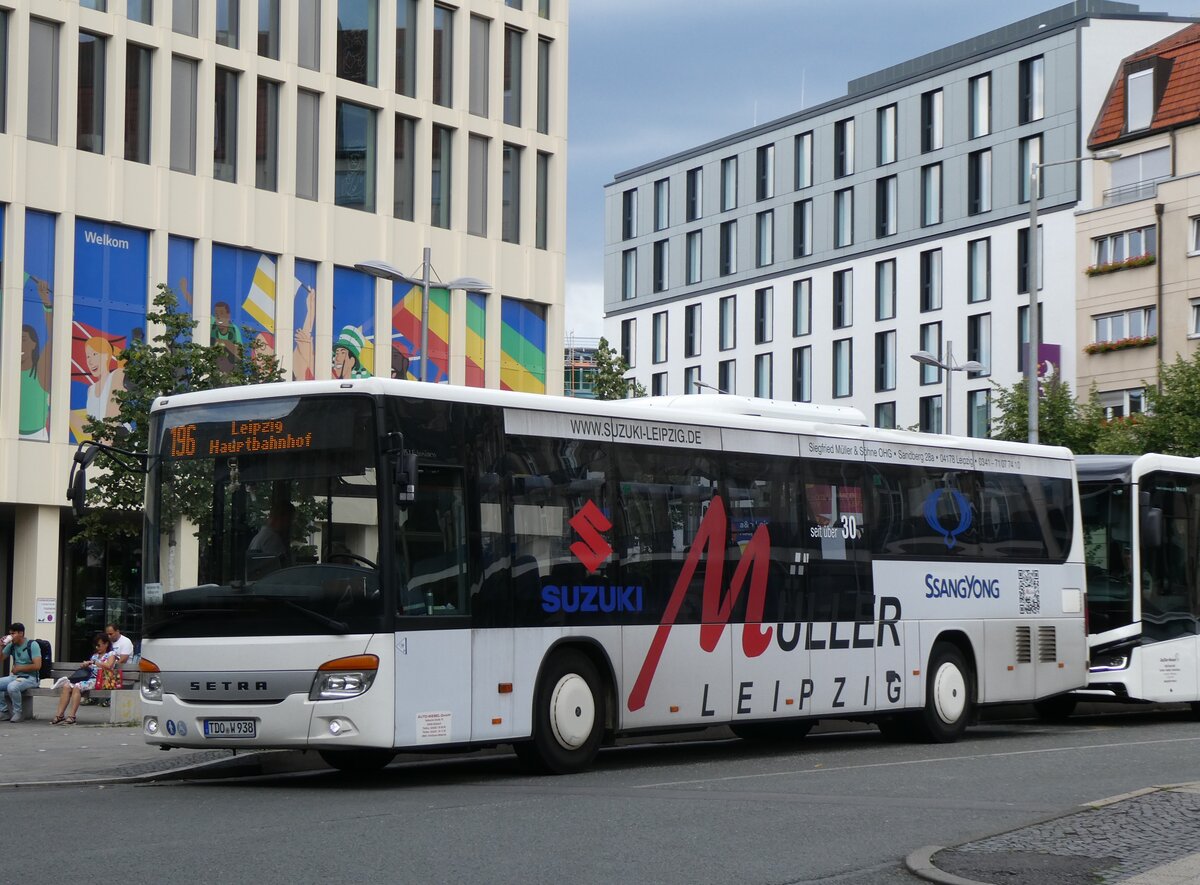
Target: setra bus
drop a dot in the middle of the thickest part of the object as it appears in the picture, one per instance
(372, 566)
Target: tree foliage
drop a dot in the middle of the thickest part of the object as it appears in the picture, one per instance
(1172, 425)
(1062, 420)
(610, 382)
(172, 362)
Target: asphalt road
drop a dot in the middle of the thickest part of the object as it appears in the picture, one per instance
(836, 808)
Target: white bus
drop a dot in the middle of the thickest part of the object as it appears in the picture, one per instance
(464, 568)
(1141, 524)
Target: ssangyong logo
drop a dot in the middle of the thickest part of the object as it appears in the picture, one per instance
(591, 549)
(961, 504)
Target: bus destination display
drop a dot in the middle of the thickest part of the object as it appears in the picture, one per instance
(236, 438)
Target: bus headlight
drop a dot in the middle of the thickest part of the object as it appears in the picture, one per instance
(151, 680)
(344, 678)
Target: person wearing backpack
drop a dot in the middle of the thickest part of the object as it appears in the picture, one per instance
(26, 658)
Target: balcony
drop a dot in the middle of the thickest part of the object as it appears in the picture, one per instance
(1131, 193)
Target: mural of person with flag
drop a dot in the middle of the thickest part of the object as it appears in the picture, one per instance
(243, 309)
(353, 353)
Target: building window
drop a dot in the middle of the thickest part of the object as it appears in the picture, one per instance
(695, 193)
(727, 376)
(354, 157)
(138, 97)
(1138, 322)
(184, 17)
(843, 298)
(440, 169)
(885, 289)
(513, 42)
(42, 123)
(843, 217)
(1119, 403)
(1194, 329)
(308, 128)
(140, 11)
(979, 270)
(802, 307)
(762, 376)
(225, 128)
(185, 75)
(764, 235)
(843, 148)
(478, 81)
(659, 322)
(885, 361)
(804, 160)
(405, 165)
(358, 40)
(268, 28)
(1030, 155)
(662, 199)
(931, 194)
(443, 56)
(1023, 258)
(541, 222)
(4, 70)
(1127, 244)
(728, 247)
(228, 13)
(691, 331)
(727, 321)
(658, 384)
(728, 184)
(931, 121)
(930, 420)
(979, 98)
(1033, 90)
(266, 136)
(764, 315)
(979, 341)
(693, 256)
(661, 262)
(510, 207)
(1139, 100)
(406, 48)
(477, 185)
(1194, 245)
(89, 129)
(543, 85)
(764, 172)
(886, 135)
(885, 415)
(979, 413)
(886, 206)
(629, 214)
(843, 352)
(802, 374)
(628, 274)
(309, 33)
(931, 280)
(691, 375)
(802, 228)
(931, 342)
(979, 182)
(1023, 333)
(629, 342)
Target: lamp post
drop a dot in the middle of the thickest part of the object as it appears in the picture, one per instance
(926, 358)
(710, 386)
(385, 271)
(1033, 276)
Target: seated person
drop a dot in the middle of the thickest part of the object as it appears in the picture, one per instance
(72, 692)
(26, 657)
(271, 547)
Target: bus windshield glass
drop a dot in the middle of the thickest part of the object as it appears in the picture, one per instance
(1108, 546)
(282, 497)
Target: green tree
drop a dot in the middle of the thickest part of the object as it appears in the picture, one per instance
(1172, 425)
(610, 382)
(1062, 421)
(170, 363)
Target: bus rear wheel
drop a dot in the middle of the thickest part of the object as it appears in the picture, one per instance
(360, 761)
(949, 696)
(773, 732)
(568, 716)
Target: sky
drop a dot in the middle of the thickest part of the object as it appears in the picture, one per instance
(649, 78)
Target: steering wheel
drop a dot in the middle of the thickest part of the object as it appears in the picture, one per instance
(353, 557)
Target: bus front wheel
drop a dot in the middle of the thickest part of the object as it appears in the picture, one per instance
(568, 716)
(949, 696)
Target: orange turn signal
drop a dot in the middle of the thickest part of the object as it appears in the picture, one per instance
(352, 662)
(145, 665)
(505, 688)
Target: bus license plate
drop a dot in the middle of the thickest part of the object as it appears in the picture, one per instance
(230, 728)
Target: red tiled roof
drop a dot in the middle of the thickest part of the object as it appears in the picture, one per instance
(1180, 101)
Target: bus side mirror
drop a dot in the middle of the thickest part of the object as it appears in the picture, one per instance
(1152, 527)
(77, 492)
(406, 477)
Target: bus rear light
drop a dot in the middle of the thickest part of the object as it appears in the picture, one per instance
(344, 678)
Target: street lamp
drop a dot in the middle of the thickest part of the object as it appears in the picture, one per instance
(1033, 276)
(385, 271)
(710, 386)
(926, 358)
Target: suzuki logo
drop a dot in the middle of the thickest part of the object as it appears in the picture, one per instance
(592, 550)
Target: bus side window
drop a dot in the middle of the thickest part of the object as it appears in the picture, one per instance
(833, 525)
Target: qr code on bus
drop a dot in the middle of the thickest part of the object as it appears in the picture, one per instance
(1029, 591)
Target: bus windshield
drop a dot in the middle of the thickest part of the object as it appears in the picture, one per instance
(282, 496)
(1108, 546)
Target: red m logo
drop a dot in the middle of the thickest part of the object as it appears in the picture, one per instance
(592, 550)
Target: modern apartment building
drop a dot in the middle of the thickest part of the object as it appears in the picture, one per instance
(250, 154)
(1138, 251)
(809, 257)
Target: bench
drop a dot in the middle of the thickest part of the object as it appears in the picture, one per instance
(124, 704)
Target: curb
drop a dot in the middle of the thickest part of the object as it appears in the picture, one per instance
(920, 863)
(145, 777)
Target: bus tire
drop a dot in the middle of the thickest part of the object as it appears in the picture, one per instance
(360, 761)
(1056, 709)
(568, 716)
(949, 696)
(783, 732)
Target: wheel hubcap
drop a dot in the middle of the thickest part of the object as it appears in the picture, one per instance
(949, 693)
(572, 711)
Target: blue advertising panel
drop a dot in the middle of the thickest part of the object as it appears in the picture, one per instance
(243, 300)
(353, 324)
(304, 316)
(181, 268)
(37, 316)
(112, 283)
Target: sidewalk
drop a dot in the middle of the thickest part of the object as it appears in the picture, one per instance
(1150, 837)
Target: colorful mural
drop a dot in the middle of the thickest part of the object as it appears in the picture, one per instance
(243, 300)
(522, 346)
(304, 317)
(353, 324)
(37, 320)
(476, 339)
(406, 330)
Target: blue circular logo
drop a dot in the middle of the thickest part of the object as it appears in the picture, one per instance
(964, 514)
(171, 727)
